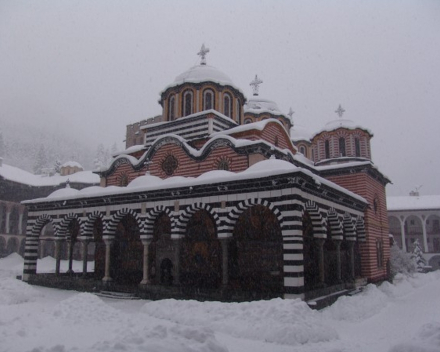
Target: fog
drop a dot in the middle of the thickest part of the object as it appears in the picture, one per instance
(89, 68)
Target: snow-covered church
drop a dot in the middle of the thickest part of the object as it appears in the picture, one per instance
(223, 197)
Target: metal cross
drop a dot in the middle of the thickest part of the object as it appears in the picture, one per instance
(256, 84)
(340, 111)
(291, 112)
(203, 51)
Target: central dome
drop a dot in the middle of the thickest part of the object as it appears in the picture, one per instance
(203, 73)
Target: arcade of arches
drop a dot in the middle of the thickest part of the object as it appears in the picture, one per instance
(251, 260)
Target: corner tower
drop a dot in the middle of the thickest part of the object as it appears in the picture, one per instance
(342, 155)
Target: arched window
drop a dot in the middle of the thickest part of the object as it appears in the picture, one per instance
(246, 121)
(123, 180)
(302, 150)
(357, 147)
(187, 103)
(171, 108)
(227, 108)
(208, 100)
(327, 149)
(341, 146)
(276, 141)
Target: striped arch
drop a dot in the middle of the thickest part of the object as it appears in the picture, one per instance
(360, 229)
(235, 213)
(335, 225)
(182, 222)
(42, 221)
(88, 224)
(151, 218)
(32, 244)
(110, 226)
(319, 228)
(349, 228)
(62, 227)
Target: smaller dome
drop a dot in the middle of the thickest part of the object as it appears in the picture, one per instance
(257, 105)
(299, 133)
(342, 123)
(203, 73)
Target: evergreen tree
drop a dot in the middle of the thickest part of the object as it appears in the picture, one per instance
(101, 157)
(401, 262)
(114, 149)
(40, 160)
(57, 166)
(417, 256)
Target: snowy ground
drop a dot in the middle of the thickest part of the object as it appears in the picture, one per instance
(404, 317)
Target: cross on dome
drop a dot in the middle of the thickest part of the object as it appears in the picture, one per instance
(203, 51)
(291, 112)
(340, 111)
(256, 84)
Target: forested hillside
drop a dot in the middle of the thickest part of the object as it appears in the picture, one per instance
(35, 148)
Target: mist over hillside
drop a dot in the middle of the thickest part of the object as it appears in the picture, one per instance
(26, 145)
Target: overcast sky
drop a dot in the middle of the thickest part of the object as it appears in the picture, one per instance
(92, 67)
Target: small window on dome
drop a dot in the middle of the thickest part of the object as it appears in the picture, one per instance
(342, 146)
(171, 108)
(357, 146)
(208, 100)
(187, 103)
(246, 121)
(302, 150)
(327, 149)
(227, 105)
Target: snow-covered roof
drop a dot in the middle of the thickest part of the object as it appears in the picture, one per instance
(130, 150)
(342, 123)
(15, 174)
(258, 105)
(259, 125)
(202, 73)
(263, 168)
(183, 118)
(413, 203)
(299, 133)
(72, 164)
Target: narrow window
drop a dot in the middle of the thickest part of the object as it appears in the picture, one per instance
(342, 146)
(171, 108)
(187, 103)
(379, 253)
(208, 100)
(302, 150)
(327, 149)
(227, 105)
(357, 146)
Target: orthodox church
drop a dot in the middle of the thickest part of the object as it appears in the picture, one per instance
(222, 197)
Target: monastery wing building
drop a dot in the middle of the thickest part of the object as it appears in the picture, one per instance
(216, 199)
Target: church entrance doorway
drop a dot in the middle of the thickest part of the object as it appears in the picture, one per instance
(127, 253)
(201, 253)
(160, 251)
(256, 253)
